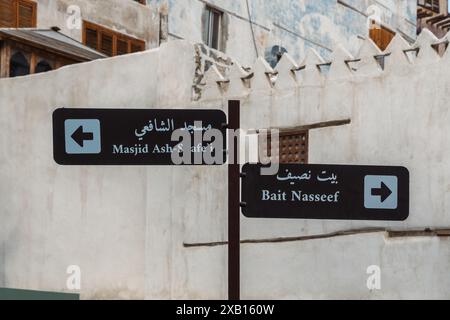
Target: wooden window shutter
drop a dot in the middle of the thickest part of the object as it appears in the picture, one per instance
(107, 43)
(137, 46)
(431, 5)
(8, 14)
(18, 14)
(91, 38)
(122, 47)
(26, 14)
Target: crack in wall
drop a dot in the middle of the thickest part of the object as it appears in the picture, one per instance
(445, 232)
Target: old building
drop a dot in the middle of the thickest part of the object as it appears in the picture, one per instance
(433, 15)
(29, 51)
(61, 32)
(267, 28)
(270, 28)
(112, 27)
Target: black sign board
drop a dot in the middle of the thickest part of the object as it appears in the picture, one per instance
(137, 136)
(326, 192)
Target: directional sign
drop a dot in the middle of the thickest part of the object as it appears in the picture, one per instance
(82, 136)
(380, 192)
(137, 136)
(326, 192)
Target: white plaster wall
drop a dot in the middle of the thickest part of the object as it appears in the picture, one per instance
(336, 268)
(396, 119)
(81, 216)
(126, 226)
(116, 223)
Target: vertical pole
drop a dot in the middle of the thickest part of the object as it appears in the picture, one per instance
(5, 56)
(233, 205)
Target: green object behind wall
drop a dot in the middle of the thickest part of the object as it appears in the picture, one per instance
(17, 294)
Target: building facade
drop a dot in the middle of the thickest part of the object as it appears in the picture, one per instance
(112, 27)
(246, 29)
(62, 32)
(31, 51)
(243, 29)
(433, 15)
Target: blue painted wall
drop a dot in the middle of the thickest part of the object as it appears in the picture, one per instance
(295, 25)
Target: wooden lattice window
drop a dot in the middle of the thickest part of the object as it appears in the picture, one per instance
(18, 14)
(109, 42)
(292, 147)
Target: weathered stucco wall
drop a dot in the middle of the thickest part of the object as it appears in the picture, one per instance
(295, 25)
(128, 17)
(128, 227)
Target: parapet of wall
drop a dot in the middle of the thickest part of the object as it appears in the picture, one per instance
(315, 70)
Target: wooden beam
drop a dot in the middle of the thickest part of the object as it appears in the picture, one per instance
(439, 20)
(443, 22)
(319, 125)
(33, 62)
(424, 15)
(5, 54)
(431, 20)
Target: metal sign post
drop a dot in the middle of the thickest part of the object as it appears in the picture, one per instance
(233, 205)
